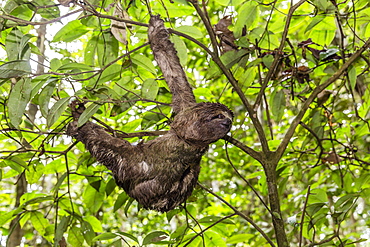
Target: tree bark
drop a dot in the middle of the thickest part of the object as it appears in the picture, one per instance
(16, 235)
(270, 165)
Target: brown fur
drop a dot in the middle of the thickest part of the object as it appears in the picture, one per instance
(162, 173)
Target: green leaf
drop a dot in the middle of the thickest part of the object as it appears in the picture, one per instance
(151, 118)
(25, 218)
(144, 62)
(61, 229)
(230, 58)
(314, 208)
(93, 199)
(56, 111)
(154, 237)
(346, 201)
(191, 31)
(90, 51)
(10, 6)
(247, 17)
(39, 222)
(55, 64)
(150, 89)
(34, 172)
(37, 83)
(48, 13)
(72, 66)
(318, 195)
(352, 75)
(173, 10)
(111, 185)
(45, 95)
(239, 238)
(278, 104)
(88, 113)
(128, 204)
(18, 100)
(121, 199)
(129, 236)
(70, 32)
(132, 125)
(324, 32)
(213, 219)
(94, 222)
(214, 239)
(182, 51)
(203, 93)
(110, 73)
(314, 21)
(60, 181)
(223, 2)
(105, 236)
(38, 200)
(88, 232)
(15, 69)
(75, 237)
(328, 53)
(107, 49)
(15, 162)
(8, 216)
(16, 45)
(248, 76)
(268, 60)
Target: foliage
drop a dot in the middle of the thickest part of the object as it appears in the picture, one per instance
(294, 171)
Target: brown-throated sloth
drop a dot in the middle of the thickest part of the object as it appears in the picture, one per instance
(161, 173)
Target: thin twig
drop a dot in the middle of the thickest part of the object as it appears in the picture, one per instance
(249, 220)
(37, 23)
(254, 154)
(246, 181)
(278, 53)
(302, 217)
(209, 227)
(282, 147)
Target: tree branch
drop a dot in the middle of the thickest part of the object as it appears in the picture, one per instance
(249, 220)
(278, 53)
(208, 26)
(209, 227)
(254, 154)
(283, 145)
(37, 23)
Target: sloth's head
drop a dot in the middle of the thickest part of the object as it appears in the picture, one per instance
(203, 123)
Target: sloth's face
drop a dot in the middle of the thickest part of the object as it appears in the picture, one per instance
(203, 123)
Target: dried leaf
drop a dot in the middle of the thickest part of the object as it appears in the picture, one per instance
(119, 28)
(302, 74)
(323, 96)
(225, 35)
(65, 3)
(332, 158)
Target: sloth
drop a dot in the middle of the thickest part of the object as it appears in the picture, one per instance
(161, 173)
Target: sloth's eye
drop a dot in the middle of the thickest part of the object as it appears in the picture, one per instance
(219, 116)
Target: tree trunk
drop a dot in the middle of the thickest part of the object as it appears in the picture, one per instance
(16, 234)
(277, 220)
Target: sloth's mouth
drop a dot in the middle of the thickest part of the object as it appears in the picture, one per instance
(226, 125)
